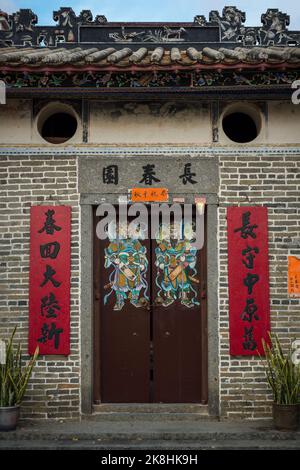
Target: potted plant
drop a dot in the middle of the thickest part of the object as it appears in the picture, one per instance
(14, 378)
(284, 379)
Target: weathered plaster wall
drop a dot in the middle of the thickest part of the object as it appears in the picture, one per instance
(150, 123)
(283, 123)
(176, 124)
(140, 123)
(16, 122)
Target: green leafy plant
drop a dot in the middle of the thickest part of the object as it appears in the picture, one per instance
(13, 377)
(282, 374)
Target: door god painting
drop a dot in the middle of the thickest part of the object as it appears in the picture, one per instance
(176, 267)
(127, 280)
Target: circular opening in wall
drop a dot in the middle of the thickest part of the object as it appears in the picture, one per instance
(57, 123)
(241, 127)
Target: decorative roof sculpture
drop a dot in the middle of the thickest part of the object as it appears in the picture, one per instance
(22, 29)
(85, 53)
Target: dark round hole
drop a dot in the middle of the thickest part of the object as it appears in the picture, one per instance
(240, 127)
(59, 128)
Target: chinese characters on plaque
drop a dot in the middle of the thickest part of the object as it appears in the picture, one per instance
(248, 279)
(149, 175)
(49, 289)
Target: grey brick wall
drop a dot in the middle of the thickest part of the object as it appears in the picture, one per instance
(272, 181)
(54, 388)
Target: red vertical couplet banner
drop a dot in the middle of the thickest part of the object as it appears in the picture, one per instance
(248, 279)
(49, 279)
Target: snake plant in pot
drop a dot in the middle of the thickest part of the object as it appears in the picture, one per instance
(14, 377)
(284, 379)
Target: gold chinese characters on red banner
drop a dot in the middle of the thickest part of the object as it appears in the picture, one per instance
(294, 276)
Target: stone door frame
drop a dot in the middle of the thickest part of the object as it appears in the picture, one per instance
(90, 199)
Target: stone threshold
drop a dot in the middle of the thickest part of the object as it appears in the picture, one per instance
(150, 411)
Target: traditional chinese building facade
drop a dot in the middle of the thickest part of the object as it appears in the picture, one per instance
(101, 112)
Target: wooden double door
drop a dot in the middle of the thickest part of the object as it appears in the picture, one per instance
(150, 320)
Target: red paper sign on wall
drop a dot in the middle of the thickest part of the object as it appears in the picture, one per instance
(49, 278)
(248, 279)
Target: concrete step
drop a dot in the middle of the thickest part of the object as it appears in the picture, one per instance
(157, 417)
(151, 408)
(96, 433)
(150, 412)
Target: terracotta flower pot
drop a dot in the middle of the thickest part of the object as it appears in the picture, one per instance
(9, 417)
(286, 417)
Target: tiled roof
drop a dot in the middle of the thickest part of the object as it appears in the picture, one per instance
(160, 57)
(84, 42)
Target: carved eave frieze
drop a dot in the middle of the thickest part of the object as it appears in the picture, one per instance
(86, 55)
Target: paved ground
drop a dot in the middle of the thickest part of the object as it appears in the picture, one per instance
(148, 434)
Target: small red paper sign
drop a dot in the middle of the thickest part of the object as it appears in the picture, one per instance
(149, 195)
